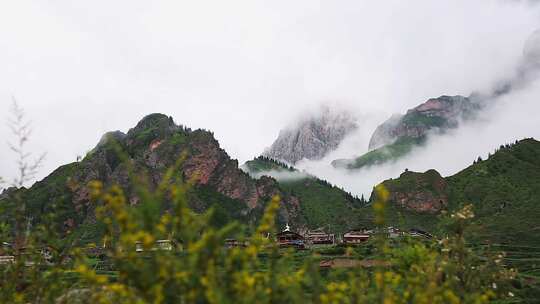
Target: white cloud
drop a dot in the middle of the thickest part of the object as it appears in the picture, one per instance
(511, 117)
(242, 69)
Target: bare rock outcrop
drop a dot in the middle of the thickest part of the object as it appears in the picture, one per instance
(312, 138)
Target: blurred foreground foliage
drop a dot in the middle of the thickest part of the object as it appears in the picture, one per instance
(202, 270)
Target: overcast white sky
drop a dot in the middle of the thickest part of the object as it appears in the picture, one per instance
(242, 69)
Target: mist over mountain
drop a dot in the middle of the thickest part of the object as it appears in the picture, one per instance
(441, 113)
(315, 145)
(398, 135)
(373, 73)
(80, 71)
(313, 137)
(500, 116)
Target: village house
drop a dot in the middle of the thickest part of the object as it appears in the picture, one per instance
(393, 232)
(356, 237)
(287, 238)
(8, 254)
(318, 236)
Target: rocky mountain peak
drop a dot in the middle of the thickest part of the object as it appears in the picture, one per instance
(155, 144)
(312, 138)
(440, 113)
(157, 120)
(449, 107)
(117, 136)
(398, 135)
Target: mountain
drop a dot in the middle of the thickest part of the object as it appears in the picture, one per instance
(312, 138)
(397, 136)
(439, 113)
(155, 144)
(421, 192)
(322, 205)
(503, 189)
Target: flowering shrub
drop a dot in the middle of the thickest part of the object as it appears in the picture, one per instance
(202, 270)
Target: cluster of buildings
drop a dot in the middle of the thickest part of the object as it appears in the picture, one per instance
(288, 238)
(285, 239)
(291, 239)
(10, 252)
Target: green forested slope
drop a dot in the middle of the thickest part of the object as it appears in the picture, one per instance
(503, 189)
(322, 204)
(505, 192)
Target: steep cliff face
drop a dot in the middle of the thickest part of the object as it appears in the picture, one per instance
(153, 146)
(386, 132)
(312, 138)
